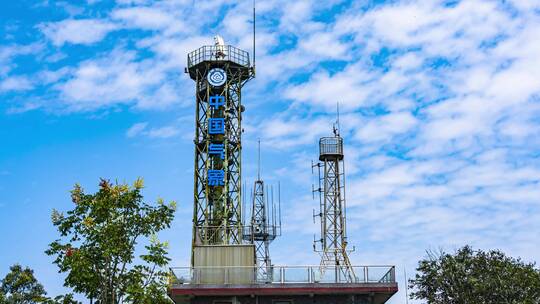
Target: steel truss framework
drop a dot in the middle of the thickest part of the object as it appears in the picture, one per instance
(217, 209)
(262, 229)
(333, 248)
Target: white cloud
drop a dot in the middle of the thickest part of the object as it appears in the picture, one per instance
(325, 45)
(115, 80)
(9, 52)
(77, 31)
(144, 17)
(282, 134)
(15, 83)
(141, 129)
(345, 87)
(136, 129)
(164, 132)
(382, 127)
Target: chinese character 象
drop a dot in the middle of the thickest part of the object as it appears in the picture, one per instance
(216, 125)
(216, 177)
(216, 101)
(217, 149)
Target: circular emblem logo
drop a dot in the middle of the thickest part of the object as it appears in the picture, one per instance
(217, 77)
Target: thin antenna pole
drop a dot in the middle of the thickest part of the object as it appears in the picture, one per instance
(274, 218)
(259, 161)
(279, 202)
(406, 286)
(267, 200)
(251, 198)
(338, 126)
(244, 205)
(254, 19)
(271, 211)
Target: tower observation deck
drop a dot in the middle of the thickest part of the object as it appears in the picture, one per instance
(226, 265)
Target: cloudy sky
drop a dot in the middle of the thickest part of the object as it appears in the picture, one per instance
(439, 104)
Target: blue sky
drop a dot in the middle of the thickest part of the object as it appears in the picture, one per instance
(439, 108)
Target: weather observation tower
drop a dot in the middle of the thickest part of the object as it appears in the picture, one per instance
(219, 71)
(331, 180)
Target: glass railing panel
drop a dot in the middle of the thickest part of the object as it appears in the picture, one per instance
(181, 276)
(378, 274)
(325, 275)
(276, 274)
(296, 275)
(282, 274)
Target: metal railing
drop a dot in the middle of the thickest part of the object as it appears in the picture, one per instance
(279, 275)
(218, 53)
(331, 146)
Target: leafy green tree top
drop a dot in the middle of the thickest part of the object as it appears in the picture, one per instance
(478, 277)
(21, 287)
(98, 244)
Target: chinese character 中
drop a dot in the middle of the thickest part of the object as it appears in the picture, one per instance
(216, 101)
(217, 149)
(216, 126)
(216, 177)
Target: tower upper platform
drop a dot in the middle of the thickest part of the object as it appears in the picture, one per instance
(331, 148)
(211, 56)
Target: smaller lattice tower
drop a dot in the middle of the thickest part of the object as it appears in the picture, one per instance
(264, 224)
(332, 245)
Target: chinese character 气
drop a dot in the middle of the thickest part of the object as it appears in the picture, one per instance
(216, 177)
(216, 126)
(216, 101)
(217, 149)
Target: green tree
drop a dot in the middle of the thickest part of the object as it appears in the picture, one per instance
(20, 286)
(99, 238)
(67, 299)
(478, 277)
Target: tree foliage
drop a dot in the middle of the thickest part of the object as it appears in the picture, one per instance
(478, 277)
(99, 238)
(20, 286)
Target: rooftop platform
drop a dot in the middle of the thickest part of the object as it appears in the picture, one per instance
(299, 284)
(331, 148)
(218, 53)
(234, 60)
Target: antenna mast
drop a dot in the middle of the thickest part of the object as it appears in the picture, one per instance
(254, 20)
(264, 224)
(336, 126)
(259, 161)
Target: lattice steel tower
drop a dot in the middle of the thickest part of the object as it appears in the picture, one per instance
(333, 241)
(219, 71)
(264, 224)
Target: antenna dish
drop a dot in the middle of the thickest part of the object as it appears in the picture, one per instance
(220, 47)
(218, 41)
